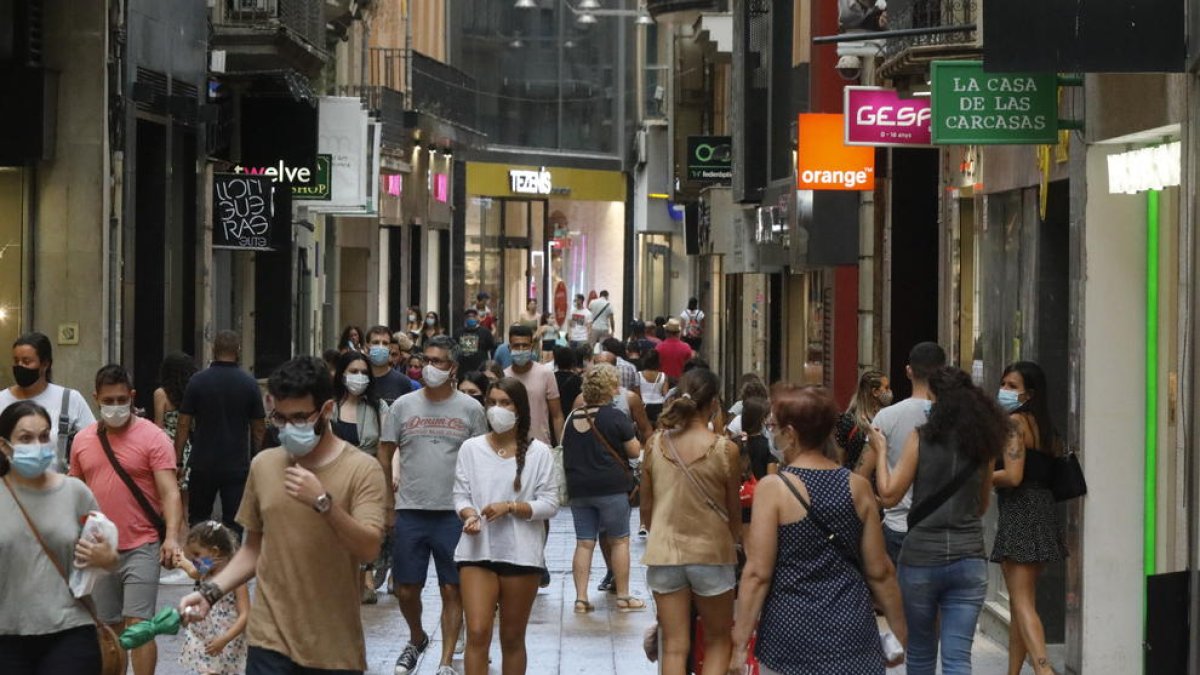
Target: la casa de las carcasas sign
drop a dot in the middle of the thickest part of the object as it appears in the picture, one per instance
(973, 107)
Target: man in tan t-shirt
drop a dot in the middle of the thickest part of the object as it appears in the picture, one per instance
(313, 511)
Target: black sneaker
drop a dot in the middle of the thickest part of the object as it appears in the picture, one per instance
(545, 580)
(407, 663)
(608, 584)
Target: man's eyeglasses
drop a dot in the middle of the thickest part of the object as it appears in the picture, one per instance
(444, 364)
(281, 421)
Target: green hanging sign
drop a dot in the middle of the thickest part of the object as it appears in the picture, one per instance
(319, 188)
(973, 107)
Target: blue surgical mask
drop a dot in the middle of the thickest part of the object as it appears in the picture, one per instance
(522, 357)
(31, 460)
(203, 565)
(378, 355)
(298, 439)
(472, 323)
(1008, 399)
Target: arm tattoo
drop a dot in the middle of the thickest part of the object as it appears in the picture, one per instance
(1015, 453)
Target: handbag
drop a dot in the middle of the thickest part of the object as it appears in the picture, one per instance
(156, 519)
(560, 468)
(112, 657)
(1068, 481)
(636, 490)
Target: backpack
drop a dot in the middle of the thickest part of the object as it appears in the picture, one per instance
(692, 329)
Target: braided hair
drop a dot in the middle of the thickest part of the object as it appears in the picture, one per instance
(516, 392)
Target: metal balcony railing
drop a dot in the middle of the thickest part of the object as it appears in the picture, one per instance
(444, 91)
(933, 14)
(304, 18)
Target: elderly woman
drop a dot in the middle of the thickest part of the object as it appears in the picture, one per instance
(43, 629)
(814, 555)
(598, 443)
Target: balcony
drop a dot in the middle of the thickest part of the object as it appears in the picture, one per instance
(660, 9)
(270, 35)
(911, 55)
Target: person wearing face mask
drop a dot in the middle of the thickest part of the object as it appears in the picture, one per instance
(413, 323)
(545, 413)
(415, 369)
(313, 512)
(874, 393)
(475, 342)
(358, 419)
(431, 327)
(32, 360)
(217, 644)
(422, 435)
(129, 463)
(401, 348)
(500, 556)
(389, 384)
(43, 628)
(1029, 534)
(474, 384)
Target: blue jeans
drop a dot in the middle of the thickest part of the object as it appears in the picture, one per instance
(894, 541)
(261, 661)
(954, 592)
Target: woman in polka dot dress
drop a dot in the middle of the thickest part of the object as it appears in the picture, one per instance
(815, 556)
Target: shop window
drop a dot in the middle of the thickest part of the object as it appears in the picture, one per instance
(13, 208)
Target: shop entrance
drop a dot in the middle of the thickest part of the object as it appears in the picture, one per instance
(510, 251)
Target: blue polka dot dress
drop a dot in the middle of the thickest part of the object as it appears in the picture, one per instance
(817, 618)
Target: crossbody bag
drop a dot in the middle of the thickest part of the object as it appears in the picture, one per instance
(156, 519)
(926, 508)
(687, 472)
(837, 542)
(112, 657)
(635, 492)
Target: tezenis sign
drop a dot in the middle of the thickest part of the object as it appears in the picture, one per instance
(825, 162)
(879, 117)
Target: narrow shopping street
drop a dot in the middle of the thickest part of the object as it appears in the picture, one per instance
(604, 642)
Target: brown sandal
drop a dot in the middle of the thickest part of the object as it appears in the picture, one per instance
(583, 607)
(630, 604)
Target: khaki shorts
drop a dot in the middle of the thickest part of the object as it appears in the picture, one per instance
(131, 590)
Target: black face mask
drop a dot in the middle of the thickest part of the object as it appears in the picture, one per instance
(25, 377)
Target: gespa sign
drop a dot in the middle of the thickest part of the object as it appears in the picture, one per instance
(879, 117)
(825, 162)
(243, 209)
(973, 107)
(710, 159)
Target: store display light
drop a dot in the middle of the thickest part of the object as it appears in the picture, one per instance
(525, 4)
(589, 4)
(586, 18)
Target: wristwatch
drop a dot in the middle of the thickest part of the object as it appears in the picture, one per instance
(323, 503)
(211, 592)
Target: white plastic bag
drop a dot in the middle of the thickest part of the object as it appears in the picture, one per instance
(83, 579)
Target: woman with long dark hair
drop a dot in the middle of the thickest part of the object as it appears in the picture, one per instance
(853, 426)
(43, 629)
(351, 340)
(174, 374)
(358, 416)
(943, 564)
(431, 328)
(503, 486)
(33, 360)
(1029, 534)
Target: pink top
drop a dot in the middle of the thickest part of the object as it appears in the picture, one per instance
(541, 387)
(141, 448)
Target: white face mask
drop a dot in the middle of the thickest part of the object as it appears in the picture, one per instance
(115, 415)
(501, 419)
(356, 383)
(435, 377)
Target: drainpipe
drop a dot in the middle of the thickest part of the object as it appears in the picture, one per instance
(866, 259)
(1150, 528)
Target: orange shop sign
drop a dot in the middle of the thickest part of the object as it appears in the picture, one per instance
(825, 162)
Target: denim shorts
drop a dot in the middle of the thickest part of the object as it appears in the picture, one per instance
(418, 535)
(606, 513)
(705, 581)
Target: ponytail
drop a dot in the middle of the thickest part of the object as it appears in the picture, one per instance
(697, 390)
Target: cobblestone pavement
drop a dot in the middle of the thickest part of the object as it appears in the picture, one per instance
(559, 641)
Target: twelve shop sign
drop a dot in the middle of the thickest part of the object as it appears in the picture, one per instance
(971, 106)
(879, 117)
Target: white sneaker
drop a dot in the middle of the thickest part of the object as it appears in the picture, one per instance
(460, 645)
(446, 670)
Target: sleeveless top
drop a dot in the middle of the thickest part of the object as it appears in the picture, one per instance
(954, 531)
(652, 393)
(817, 618)
(686, 530)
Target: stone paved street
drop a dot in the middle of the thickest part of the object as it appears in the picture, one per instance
(601, 643)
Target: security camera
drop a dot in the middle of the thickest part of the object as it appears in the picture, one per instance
(849, 67)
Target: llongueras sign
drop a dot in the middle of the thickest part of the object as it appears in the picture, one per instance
(973, 107)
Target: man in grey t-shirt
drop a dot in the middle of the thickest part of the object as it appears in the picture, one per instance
(897, 422)
(424, 431)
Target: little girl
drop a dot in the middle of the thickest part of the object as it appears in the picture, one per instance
(216, 645)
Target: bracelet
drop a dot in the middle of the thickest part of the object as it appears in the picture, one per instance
(512, 508)
(211, 592)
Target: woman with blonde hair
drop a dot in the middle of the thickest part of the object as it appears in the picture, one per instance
(691, 478)
(598, 442)
(874, 393)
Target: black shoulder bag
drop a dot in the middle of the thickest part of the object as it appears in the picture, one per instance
(926, 508)
(160, 525)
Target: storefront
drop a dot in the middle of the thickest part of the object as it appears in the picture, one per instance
(14, 210)
(529, 229)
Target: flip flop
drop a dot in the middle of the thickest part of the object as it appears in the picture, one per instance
(630, 604)
(583, 607)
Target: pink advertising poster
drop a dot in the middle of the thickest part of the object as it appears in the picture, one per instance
(880, 117)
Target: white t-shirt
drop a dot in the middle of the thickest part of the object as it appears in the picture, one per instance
(78, 412)
(693, 322)
(897, 423)
(483, 477)
(601, 309)
(579, 325)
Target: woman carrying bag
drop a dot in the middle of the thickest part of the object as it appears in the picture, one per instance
(44, 629)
